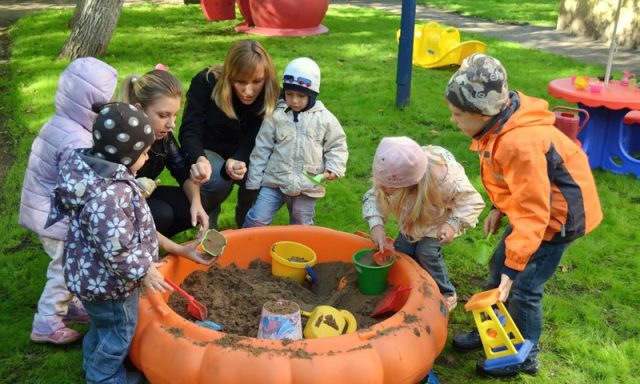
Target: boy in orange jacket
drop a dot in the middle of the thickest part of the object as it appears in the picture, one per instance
(535, 176)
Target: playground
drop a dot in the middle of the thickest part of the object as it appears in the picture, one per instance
(590, 305)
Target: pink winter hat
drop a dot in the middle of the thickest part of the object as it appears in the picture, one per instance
(399, 162)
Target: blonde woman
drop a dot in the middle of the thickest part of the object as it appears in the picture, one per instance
(224, 110)
(158, 94)
(429, 194)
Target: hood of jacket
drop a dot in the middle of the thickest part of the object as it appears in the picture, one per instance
(524, 112)
(86, 81)
(86, 181)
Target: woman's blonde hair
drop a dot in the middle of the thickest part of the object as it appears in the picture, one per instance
(418, 206)
(147, 88)
(243, 60)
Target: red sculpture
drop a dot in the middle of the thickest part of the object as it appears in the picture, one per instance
(271, 17)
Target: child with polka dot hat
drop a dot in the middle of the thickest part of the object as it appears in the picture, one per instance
(111, 243)
(302, 139)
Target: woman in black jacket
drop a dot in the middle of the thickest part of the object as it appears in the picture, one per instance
(224, 110)
(174, 208)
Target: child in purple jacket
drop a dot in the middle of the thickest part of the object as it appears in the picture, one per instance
(111, 244)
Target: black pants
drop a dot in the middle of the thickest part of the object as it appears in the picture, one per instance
(213, 200)
(170, 210)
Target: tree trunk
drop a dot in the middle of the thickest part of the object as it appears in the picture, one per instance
(77, 13)
(92, 31)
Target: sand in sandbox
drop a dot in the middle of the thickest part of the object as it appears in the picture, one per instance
(235, 296)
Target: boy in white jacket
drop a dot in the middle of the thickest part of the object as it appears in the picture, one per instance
(302, 137)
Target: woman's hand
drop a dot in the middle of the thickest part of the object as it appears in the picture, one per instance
(493, 222)
(200, 171)
(236, 169)
(446, 233)
(154, 280)
(199, 215)
(378, 236)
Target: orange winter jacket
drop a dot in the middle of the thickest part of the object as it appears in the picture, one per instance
(539, 179)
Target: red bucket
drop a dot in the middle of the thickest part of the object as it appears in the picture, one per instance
(569, 122)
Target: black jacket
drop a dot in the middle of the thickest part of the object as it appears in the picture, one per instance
(205, 126)
(165, 153)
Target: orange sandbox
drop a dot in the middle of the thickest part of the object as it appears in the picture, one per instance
(401, 349)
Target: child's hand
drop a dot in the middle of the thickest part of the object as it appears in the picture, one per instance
(446, 233)
(191, 252)
(378, 236)
(328, 175)
(154, 280)
(493, 222)
(504, 287)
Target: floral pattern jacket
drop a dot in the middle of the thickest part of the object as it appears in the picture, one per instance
(111, 241)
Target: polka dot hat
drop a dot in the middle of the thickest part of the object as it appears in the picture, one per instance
(121, 133)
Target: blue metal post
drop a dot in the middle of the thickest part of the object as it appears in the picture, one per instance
(405, 53)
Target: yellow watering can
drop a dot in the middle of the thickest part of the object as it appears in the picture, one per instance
(327, 321)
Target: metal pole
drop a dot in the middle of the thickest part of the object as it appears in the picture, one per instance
(612, 46)
(405, 53)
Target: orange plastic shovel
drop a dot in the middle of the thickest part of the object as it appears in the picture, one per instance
(195, 308)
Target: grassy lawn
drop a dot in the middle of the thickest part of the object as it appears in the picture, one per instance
(591, 329)
(534, 12)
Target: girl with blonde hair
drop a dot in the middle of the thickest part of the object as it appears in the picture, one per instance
(429, 194)
(225, 108)
(174, 208)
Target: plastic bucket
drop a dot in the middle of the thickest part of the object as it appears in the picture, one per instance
(289, 260)
(372, 278)
(280, 320)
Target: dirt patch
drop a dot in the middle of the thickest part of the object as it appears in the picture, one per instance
(235, 297)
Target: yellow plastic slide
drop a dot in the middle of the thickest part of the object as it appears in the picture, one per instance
(435, 46)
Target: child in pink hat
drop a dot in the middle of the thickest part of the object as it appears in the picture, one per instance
(432, 199)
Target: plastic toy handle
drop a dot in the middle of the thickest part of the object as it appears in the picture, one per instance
(352, 323)
(313, 278)
(178, 289)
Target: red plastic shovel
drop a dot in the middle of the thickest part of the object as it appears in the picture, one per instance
(392, 301)
(195, 308)
(387, 255)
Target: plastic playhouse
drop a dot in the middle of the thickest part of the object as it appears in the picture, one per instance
(271, 17)
(402, 348)
(439, 46)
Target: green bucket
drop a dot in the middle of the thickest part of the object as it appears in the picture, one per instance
(372, 278)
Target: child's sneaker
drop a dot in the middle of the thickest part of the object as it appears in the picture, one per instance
(61, 336)
(452, 302)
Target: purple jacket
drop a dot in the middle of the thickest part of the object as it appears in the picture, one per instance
(85, 81)
(111, 241)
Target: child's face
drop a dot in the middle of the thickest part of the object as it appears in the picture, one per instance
(135, 167)
(249, 87)
(470, 123)
(297, 101)
(388, 190)
(162, 115)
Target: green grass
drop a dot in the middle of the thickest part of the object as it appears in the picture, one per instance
(534, 12)
(591, 332)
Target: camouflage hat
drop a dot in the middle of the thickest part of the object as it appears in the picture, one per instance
(480, 85)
